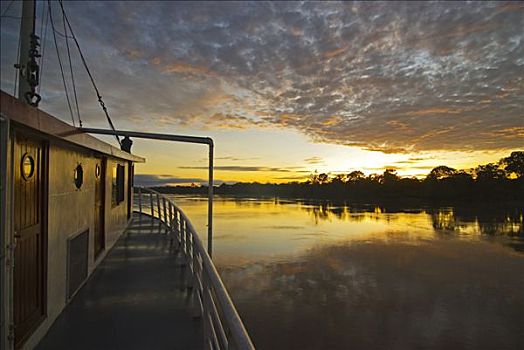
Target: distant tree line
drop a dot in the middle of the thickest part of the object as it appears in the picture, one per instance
(494, 181)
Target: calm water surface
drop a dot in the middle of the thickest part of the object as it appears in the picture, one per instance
(311, 276)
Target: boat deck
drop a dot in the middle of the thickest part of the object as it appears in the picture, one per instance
(135, 299)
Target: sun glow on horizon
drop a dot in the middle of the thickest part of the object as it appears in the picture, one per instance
(290, 157)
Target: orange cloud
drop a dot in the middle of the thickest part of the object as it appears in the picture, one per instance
(133, 53)
(398, 125)
(295, 31)
(181, 67)
(516, 131)
(286, 119)
(336, 52)
(431, 111)
(330, 121)
(512, 6)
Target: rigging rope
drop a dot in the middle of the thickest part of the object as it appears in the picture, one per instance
(102, 104)
(71, 68)
(60, 62)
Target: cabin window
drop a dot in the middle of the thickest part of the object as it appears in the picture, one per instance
(118, 184)
(98, 171)
(79, 176)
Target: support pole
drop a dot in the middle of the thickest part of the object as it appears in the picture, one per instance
(210, 204)
(175, 138)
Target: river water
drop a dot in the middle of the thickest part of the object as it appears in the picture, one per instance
(309, 275)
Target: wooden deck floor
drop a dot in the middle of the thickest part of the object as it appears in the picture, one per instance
(135, 299)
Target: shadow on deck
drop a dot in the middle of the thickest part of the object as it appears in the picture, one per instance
(135, 299)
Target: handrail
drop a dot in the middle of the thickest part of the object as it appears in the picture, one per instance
(223, 328)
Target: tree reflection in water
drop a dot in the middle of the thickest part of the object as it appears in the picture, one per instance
(310, 275)
(499, 220)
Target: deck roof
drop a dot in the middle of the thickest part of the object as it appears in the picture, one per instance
(23, 114)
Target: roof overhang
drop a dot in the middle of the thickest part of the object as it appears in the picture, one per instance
(48, 125)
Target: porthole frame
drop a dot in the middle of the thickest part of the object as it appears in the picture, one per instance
(98, 171)
(27, 176)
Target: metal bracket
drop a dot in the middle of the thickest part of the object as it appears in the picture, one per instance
(11, 333)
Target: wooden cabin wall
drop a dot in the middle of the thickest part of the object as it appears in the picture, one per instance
(70, 212)
(116, 217)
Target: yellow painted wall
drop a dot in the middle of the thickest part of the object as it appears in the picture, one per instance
(71, 211)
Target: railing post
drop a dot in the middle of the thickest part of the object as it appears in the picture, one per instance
(188, 242)
(222, 325)
(152, 206)
(178, 228)
(158, 207)
(207, 307)
(166, 221)
(197, 282)
(170, 215)
(182, 235)
(175, 221)
(140, 200)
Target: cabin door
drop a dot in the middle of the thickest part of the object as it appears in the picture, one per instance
(29, 236)
(100, 177)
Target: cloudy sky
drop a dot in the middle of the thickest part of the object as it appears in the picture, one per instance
(289, 88)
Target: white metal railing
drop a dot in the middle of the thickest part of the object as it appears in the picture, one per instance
(223, 328)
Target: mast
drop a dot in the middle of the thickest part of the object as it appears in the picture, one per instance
(28, 70)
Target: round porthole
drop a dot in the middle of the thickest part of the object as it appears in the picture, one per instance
(98, 171)
(79, 176)
(27, 167)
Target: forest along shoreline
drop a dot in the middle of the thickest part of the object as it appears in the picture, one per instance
(501, 182)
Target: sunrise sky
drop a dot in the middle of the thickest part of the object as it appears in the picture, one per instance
(288, 88)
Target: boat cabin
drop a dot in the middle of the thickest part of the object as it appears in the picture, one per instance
(65, 199)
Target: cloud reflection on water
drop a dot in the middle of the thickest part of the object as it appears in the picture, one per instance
(310, 275)
(445, 294)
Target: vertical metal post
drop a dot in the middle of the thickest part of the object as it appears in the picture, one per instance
(166, 221)
(158, 207)
(26, 29)
(178, 221)
(210, 204)
(152, 206)
(170, 215)
(140, 200)
(182, 235)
